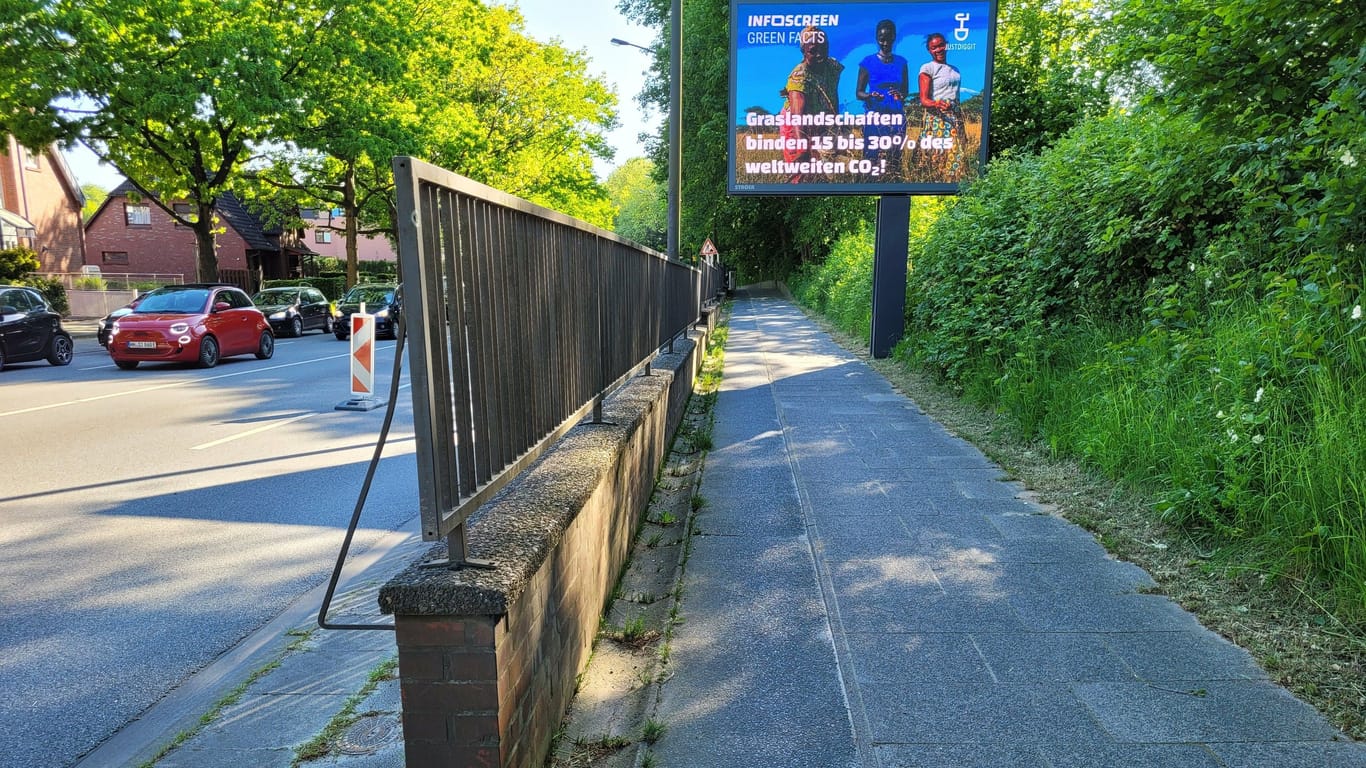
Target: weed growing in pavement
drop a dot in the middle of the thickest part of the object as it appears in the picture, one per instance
(321, 745)
(654, 731)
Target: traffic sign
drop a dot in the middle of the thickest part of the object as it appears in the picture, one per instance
(708, 248)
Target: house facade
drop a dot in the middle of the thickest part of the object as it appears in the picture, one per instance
(40, 206)
(327, 237)
(129, 234)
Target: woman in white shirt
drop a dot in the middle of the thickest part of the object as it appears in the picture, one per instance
(941, 128)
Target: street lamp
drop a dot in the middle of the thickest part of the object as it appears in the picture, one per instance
(675, 118)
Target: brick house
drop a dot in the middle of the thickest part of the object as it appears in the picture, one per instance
(134, 235)
(327, 237)
(40, 206)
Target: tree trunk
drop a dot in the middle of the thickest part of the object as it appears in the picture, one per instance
(206, 261)
(352, 225)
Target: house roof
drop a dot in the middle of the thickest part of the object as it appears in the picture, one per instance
(234, 213)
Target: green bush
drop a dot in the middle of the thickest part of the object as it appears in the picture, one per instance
(89, 283)
(53, 291)
(16, 263)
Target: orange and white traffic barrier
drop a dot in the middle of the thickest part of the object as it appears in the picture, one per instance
(362, 355)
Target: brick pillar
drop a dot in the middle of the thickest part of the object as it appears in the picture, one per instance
(449, 678)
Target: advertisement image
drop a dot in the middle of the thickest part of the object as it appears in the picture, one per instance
(859, 97)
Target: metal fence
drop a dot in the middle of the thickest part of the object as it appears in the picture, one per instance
(520, 320)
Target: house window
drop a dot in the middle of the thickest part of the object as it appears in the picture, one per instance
(322, 235)
(114, 257)
(308, 214)
(30, 159)
(137, 215)
(184, 211)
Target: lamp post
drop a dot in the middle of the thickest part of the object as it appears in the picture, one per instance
(675, 118)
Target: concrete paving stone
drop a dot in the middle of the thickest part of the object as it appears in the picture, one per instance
(892, 659)
(983, 580)
(1202, 711)
(319, 671)
(863, 538)
(231, 757)
(928, 613)
(1132, 756)
(271, 721)
(1018, 715)
(388, 756)
(1041, 551)
(348, 640)
(1018, 657)
(957, 756)
(1338, 754)
(759, 479)
(1036, 524)
(756, 516)
(1061, 611)
(387, 697)
(1103, 575)
(1196, 654)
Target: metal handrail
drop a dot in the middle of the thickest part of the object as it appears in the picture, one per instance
(520, 320)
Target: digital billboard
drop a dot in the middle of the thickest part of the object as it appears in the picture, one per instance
(859, 98)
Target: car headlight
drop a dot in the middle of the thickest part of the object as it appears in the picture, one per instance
(382, 313)
(115, 327)
(281, 315)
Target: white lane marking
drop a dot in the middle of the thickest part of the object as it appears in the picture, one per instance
(256, 431)
(173, 384)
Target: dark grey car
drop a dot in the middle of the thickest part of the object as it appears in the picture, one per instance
(294, 309)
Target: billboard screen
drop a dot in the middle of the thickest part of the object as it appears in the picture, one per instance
(859, 98)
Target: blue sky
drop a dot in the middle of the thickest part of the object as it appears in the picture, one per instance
(586, 25)
(761, 69)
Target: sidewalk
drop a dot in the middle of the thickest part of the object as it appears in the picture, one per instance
(867, 592)
(864, 590)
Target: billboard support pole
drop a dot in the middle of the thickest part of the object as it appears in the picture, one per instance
(889, 273)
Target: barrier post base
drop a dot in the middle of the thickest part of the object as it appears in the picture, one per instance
(358, 404)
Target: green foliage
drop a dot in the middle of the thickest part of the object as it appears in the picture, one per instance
(89, 283)
(1082, 229)
(53, 290)
(94, 197)
(16, 263)
(841, 286)
(1046, 77)
(640, 202)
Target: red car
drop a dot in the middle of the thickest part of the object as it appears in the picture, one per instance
(197, 323)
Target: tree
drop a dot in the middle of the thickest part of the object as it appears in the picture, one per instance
(1048, 73)
(94, 197)
(640, 203)
(175, 94)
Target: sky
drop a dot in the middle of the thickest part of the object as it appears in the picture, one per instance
(586, 25)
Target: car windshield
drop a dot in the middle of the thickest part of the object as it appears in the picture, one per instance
(369, 295)
(276, 296)
(182, 302)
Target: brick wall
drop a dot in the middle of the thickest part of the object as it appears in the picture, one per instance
(160, 247)
(488, 659)
(39, 195)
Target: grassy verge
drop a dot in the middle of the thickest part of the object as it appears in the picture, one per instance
(1036, 416)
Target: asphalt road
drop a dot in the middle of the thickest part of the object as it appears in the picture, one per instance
(151, 519)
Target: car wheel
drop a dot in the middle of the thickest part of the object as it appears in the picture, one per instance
(208, 352)
(62, 350)
(327, 325)
(266, 348)
(2, 359)
(340, 334)
(126, 365)
(296, 327)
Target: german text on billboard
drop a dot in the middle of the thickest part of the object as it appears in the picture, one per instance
(859, 97)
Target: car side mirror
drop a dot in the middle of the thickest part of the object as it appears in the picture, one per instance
(221, 305)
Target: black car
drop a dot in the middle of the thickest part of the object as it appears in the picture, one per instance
(105, 327)
(380, 299)
(30, 329)
(294, 309)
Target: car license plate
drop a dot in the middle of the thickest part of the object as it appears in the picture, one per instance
(142, 345)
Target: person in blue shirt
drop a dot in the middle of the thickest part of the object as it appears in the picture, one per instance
(883, 82)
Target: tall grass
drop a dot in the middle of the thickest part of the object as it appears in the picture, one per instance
(1242, 420)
